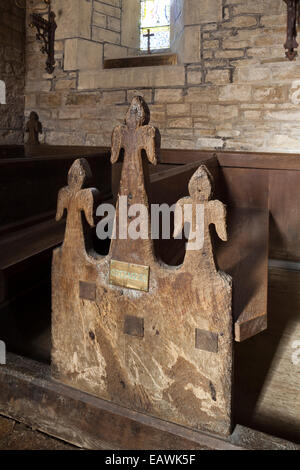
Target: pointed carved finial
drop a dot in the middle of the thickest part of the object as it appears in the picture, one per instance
(138, 113)
(134, 137)
(204, 212)
(74, 199)
(200, 185)
(34, 128)
(136, 134)
(79, 174)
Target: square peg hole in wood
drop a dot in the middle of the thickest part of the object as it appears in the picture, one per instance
(206, 340)
(134, 326)
(87, 290)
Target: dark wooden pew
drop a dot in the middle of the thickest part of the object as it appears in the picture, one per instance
(267, 373)
(251, 184)
(34, 230)
(14, 151)
(28, 230)
(11, 151)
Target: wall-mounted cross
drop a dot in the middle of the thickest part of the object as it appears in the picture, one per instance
(149, 36)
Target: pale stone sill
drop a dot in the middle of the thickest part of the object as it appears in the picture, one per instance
(129, 78)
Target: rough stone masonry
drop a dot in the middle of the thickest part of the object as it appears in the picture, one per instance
(232, 89)
(12, 72)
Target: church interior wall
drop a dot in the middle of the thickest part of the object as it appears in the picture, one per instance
(233, 87)
(12, 72)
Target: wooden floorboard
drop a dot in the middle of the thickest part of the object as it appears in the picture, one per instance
(18, 436)
(29, 395)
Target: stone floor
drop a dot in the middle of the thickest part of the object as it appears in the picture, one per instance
(17, 436)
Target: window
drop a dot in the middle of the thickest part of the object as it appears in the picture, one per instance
(155, 16)
(2, 93)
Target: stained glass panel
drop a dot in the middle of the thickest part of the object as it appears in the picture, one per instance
(155, 16)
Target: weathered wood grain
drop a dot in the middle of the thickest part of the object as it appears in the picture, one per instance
(162, 373)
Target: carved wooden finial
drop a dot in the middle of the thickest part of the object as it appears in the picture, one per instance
(34, 128)
(79, 174)
(200, 185)
(204, 212)
(134, 136)
(74, 199)
(138, 113)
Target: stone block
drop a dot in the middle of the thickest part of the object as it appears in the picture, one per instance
(130, 24)
(235, 93)
(244, 21)
(204, 94)
(185, 122)
(98, 139)
(114, 24)
(81, 54)
(223, 113)
(269, 94)
(105, 35)
(217, 76)
(179, 109)
(83, 99)
(229, 53)
(68, 113)
(171, 95)
(200, 110)
(209, 143)
(99, 19)
(210, 11)
(66, 84)
(104, 7)
(113, 97)
(50, 100)
(129, 78)
(194, 77)
(64, 138)
(253, 74)
(74, 19)
(113, 51)
(192, 44)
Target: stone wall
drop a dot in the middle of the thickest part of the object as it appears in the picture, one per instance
(232, 89)
(12, 73)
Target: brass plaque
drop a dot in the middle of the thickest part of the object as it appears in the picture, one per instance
(87, 290)
(134, 326)
(206, 341)
(131, 276)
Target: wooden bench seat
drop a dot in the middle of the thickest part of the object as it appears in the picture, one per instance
(250, 185)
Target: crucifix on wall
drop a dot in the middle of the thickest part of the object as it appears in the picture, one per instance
(149, 36)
